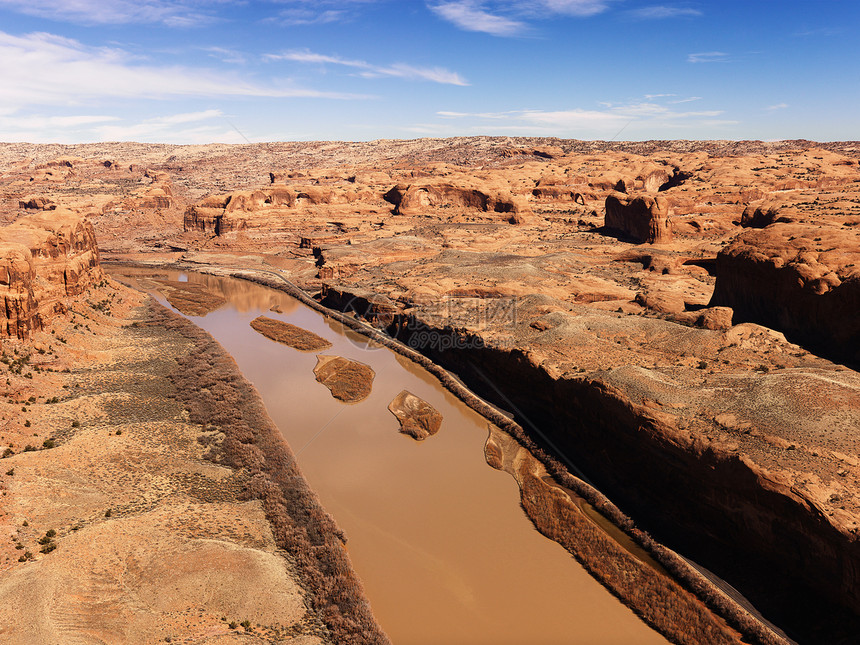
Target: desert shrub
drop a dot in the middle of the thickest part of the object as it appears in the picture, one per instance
(214, 393)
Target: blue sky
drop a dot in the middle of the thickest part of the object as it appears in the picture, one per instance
(199, 71)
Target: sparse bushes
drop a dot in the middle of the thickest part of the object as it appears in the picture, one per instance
(210, 387)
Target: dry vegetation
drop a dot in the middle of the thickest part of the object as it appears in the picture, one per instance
(290, 335)
(210, 387)
(190, 298)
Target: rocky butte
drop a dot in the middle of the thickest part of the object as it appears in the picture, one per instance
(676, 320)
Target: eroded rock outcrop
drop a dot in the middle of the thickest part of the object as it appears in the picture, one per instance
(349, 381)
(416, 199)
(417, 418)
(800, 279)
(759, 216)
(270, 208)
(44, 258)
(643, 218)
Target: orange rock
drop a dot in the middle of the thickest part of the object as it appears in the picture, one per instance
(44, 258)
(645, 219)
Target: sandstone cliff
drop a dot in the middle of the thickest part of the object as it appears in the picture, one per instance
(44, 258)
(803, 280)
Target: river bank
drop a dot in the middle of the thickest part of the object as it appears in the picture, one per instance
(117, 487)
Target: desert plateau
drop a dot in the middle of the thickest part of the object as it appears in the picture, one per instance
(249, 389)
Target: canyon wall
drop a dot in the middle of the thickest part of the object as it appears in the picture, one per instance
(803, 280)
(44, 258)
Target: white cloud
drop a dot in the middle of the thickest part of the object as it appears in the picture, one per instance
(174, 13)
(689, 99)
(644, 115)
(368, 70)
(317, 12)
(43, 69)
(229, 56)
(658, 12)
(174, 128)
(569, 7)
(293, 17)
(39, 122)
(510, 17)
(778, 106)
(708, 57)
(471, 16)
(207, 126)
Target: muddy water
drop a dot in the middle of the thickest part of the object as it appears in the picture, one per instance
(438, 538)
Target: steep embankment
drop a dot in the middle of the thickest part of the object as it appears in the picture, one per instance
(799, 278)
(744, 469)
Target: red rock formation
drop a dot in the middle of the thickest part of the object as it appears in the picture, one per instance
(37, 203)
(240, 210)
(44, 258)
(800, 279)
(417, 418)
(758, 216)
(645, 219)
(416, 199)
(157, 197)
(557, 194)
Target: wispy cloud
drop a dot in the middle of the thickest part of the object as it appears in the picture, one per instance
(368, 70)
(645, 114)
(820, 32)
(471, 16)
(510, 17)
(230, 56)
(708, 57)
(778, 106)
(317, 12)
(173, 13)
(659, 12)
(206, 126)
(52, 70)
(187, 127)
(37, 122)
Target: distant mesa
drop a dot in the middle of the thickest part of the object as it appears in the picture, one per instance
(417, 418)
(288, 334)
(349, 381)
(644, 219)
(190, 298)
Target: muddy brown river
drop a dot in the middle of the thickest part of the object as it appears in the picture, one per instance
(438, 538)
